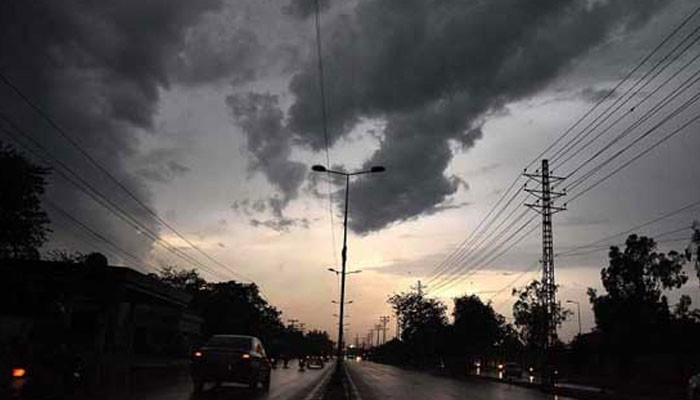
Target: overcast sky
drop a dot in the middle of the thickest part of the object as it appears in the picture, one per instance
(209, 113)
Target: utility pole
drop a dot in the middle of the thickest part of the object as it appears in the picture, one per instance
(378, 329)
(357, 340)
(545, 206)
(370, 335)
(419, 288)
(384, 320)
(344, 251)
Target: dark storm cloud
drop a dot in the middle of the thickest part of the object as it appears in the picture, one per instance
(97, 68)
(269, 143)
(435, 71)
(218, 49)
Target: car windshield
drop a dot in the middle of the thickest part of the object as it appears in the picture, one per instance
(231, 342)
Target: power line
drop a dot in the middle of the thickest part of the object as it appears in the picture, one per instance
(634, 228)
(96, 234)
(517, 279)
(691, 81)
(85, 187)
(635, 158)
(477, 240)
(617, 104)
(48, 119)
(324, 119)
(460, 248)
(597, 249)
(480, 248)
(662, 103)
(478, 266)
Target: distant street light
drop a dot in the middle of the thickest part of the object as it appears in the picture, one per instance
(344, 252)
(578, 313)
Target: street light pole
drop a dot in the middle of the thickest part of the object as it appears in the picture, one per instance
(578, 313)
(344, 252)
(344, 258)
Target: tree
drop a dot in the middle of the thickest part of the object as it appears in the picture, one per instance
(477, 328)
(634, 314)
(423, 322)
(693, 251)
(634, 281)
(531, 315)
(184, 279)
(228, 307)
(23, 223)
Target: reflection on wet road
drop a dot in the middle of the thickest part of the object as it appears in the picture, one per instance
(286, 384)
(381, 382)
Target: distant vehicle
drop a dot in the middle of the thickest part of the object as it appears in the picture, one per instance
(512, 370)
(231, 358)
(694, 387)
(314, 362)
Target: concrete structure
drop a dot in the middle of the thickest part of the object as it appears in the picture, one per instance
(112, 317)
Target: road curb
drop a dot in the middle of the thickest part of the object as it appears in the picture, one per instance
(318, 392)
(354, 393)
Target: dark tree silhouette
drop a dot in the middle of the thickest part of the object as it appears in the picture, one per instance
(634, 281)
(23, 223)
(477, 328)
(423, 323)
(693, 251)
(531, 316)
(187, 280)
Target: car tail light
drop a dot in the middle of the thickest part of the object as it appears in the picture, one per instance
(197, 354)
(245, 356)
(18, 372)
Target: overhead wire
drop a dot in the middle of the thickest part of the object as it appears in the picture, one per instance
(662, 217)
(85, 187)
(440, 268)
(458, 257)
(97, 235)
(636, 157)
(479, 247)
(499, 252)
(57, 128)
(619, 103)
(324, 120)
(672, 95)
(619, 84)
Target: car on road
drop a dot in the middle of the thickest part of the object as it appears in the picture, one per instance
(314, 362)
(231, 358)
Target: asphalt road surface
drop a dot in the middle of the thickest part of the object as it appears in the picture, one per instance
(382, 382)
(286, 384)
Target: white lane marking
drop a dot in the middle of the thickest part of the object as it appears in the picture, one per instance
(314, 393)
(353, 388)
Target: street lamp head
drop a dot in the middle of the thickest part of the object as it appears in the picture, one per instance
(377, 168)
(319, 168)
(332, 270)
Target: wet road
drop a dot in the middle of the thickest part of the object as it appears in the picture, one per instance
(286, 384)
(381, 382)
